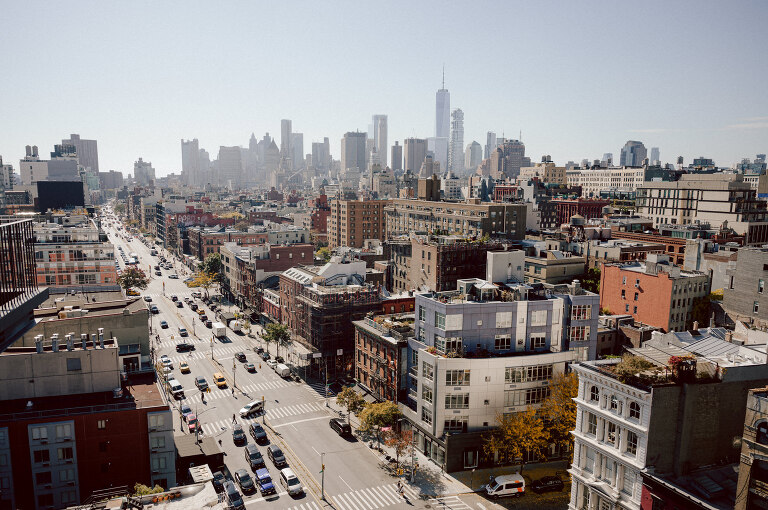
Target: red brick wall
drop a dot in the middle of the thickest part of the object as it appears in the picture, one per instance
(654, 295)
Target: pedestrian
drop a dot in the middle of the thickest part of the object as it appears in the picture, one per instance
(234, 420)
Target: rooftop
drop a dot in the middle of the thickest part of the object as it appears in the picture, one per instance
(711, 487)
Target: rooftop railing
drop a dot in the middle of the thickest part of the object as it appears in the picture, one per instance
(17, 264)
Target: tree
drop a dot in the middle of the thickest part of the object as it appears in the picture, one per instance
(204, 280)
(133, 277)
(324, 253)
(351, 400)
(700, 311)
(142, 490)
(559, 410)
(376, 416)
(517, 435)
(119, 208)
(590, 280)
(400, 441)
(278, 333)
(211, 266)
(242, 225)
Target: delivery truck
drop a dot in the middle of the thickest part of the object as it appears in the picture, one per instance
(282, 370)
(219, 330)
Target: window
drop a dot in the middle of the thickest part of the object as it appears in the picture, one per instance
(67, 475)
(581, 312)
(525, 397)
(755, 307)
(457, 401)
(456, 424)
(538, 342)
(428, 371)
(155, 420)
(426, 415)
(589, 463)
(579, 333)
(439, 320)
(101, 424)
(39, 433)
(68, 497)
(73, 364)
(65, 454)
(626, 308)
(762, 433)
(41, 456)
(636, 295)
(610, 433)
(594, 394)
(628, 484)
(614, 403)
(624, 280)
(634, 309)
(426, 394)
(634, 410)
(63, 431)
(45, 500)
(528, 374)
(158, 463)
(502, 342)
(422, 314)
(457, 377)
(591, 424)
(631, 443)
(157, 442)
(43, 478)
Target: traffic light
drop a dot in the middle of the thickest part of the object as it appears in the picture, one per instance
(399, 471)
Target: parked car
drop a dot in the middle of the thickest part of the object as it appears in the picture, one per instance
(201, 383)
(251, 409)
(185, 411)
(265, 355)
(276, 456)
(244, 481)
(173, 276)
(238, 436)
(218, 481)
(208, 324)
(240, 356)
(184, 346)
(193, 306)
(271, 363)
(253, 456)
(166, 361)
(505, 485)
(257, 433)
(163, 324)
(192, 423)
(158, 273)
(341, 427)
(546, 484)
(234, 499)
(291, 482)
(265, 482)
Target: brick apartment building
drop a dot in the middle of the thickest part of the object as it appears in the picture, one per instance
(381, 344)
(204, 241)
(588, 208)
(654, 292)
(351, 222)
(319, 216)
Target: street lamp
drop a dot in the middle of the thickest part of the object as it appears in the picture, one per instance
(234, 377)
(322, 475)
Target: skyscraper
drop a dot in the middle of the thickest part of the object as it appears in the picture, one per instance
(87, 151)
(414, 154)
(655, 156)
(490, 144)
(353, 151)
(456, 150)
(380, 138)
(607, 159)
(473, 156)
(397, 156)
(297, 150)
(439, 144)
(143, 173)
(633, 153)
(190, 162)
(230, 166)
(321, 156)
(286, 128)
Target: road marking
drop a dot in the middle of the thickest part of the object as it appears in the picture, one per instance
(319, 454)
(481, 506)
(299, 421)
(259, 500)
(340, 478)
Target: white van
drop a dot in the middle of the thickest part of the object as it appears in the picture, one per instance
(290, 481)
(176, 389)
(282, 370)
(506, 485)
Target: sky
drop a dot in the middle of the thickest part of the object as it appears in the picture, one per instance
(577, 79)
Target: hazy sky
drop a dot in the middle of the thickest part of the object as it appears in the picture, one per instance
(577, 78)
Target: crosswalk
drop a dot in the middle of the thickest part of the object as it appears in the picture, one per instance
(272, 413)
(202, 349)
(370, 498)
(318, 388)
(254, 390)
(449, 503)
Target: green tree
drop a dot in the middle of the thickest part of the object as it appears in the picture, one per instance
(590, 280)
(142, 490)
(516, 435)
(211, 266)
(324, 253)
(351, 400)
(133, 277)
(559, 410)
(278, 333)
(701, 311)
(376, 416)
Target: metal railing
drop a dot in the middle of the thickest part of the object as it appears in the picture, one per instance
(17, 263)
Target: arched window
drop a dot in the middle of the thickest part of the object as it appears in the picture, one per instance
(762, 432)
(594, 394)
(634, 410)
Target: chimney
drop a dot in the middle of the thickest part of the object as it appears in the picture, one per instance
(39, 344)
(695, 326)
(70, 342)
(576, 288)
(94, 340)
(729, 336)
(55, 342)
(101, 338)
(84, 340)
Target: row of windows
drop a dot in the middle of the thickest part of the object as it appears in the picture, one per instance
(611, 433)
(527, 374)
(525, 397)
(63, 431)
(615, 404)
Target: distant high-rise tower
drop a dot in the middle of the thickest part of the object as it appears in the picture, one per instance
(230, 167)
(443, 112)
(633, 153)
(490, 144)
(286, 129)
(414, 153)
(607, 159)
(297, 150)
(397, 157)
(190, 162)
(456, 150)
(655, 156)
(321, 156)
(87, 151)
(380, 139)
(473, 156)
(353, 151)
(143, 173)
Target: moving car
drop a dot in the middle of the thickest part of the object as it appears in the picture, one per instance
(179, 304)
(546, 484)
(240, 356)
(148, 299)
(193, 306)
(184, 367)
(275, 454)
(251, 408)
(253, 456)
(154, 309)
(174, 298)
(271, 363)
(238, 436)
(244, 481)
(173, 276)
(220, 380)
(184, 346)
(341, 427)
(250, 367)
(265, 482)
(158, 273)
(163, 324)
(291, 482)
(183, 332)
(257, 433)
(201, 383)
(234, 499)
(208, 324)
(505, 485)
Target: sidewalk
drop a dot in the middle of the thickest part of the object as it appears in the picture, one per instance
(532, 471)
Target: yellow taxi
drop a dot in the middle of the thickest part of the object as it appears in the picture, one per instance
(131, 292)
(184, 367)
(220, 380)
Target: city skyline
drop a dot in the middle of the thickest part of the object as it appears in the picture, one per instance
(140, 97)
